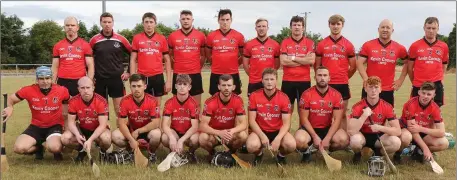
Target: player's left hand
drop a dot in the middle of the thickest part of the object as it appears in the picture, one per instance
(179, 146)
(325, 143)
(275, 145)
(397, 84)
(168, 86)
(87, 145)
(376, 127)
(125, 76)
(414, 128)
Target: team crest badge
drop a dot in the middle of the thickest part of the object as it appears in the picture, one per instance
(429, 117)
(69, 49)
(438, 52)
(157, 43)
(55, 100)
(95, 113)
(392, 53)
(230, 111)
(270, 49)
(78, 49)
(330, 104)
(157, 110)
(342, 49)
(379, 116)
(232, 41)
(305, 48)
(195, 40)
(276, 108)
(146, 112)
(117, 45)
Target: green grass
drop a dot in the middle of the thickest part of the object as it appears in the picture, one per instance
(25, 167)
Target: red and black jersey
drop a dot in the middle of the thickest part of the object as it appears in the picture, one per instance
(141, 113)
(223, 114)
(425, 116)
(321, 106)
(382, 111)
(72, 57)
(225, 48)
(269, 110)
(150, 51)
(261, 55)
(88, 112)
(335, 54)
(109, 54)
(186, 50)
(181, 113)
(46, 109)
(428, 60)
(382, 60)
(299, 48)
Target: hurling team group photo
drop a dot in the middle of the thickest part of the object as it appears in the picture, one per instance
(154, 84)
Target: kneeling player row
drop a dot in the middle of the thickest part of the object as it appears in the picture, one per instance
(224, 116)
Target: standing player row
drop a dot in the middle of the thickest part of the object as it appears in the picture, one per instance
(186, 50)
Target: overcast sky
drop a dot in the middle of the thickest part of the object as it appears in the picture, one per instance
(362, 18)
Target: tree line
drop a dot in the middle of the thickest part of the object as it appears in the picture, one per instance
(34, 45)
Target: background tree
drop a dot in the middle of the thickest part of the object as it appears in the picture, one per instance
(93, 31)
(286, 32)
(83, 33)
(451, 44)
(14, 46)
(43, 36)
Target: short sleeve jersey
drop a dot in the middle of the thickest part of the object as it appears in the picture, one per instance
(72, 57)
(88, 112)
(46, 109)
(186, 50)
(382, 60)
(141, 113)
(298, 48)
(150, 51)
(225, 48)
(321, 106)
(335, 54)
(223, 114)
(269, 109)
(181, 113)
(382, 111)
(261, 54)
(425, 116)
(428, 60)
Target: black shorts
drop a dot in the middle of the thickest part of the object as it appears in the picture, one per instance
(155, 85)
(214, 81)
(40, 134)
(197, 84)
(387, 96)
(343, 89)
(439, 97)
(294, 89)
(271, 135)
(254, 87)
(86, 133)
(143, 136)
(321, 132)
(114, 87)
(70, 84)
(370, 139)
